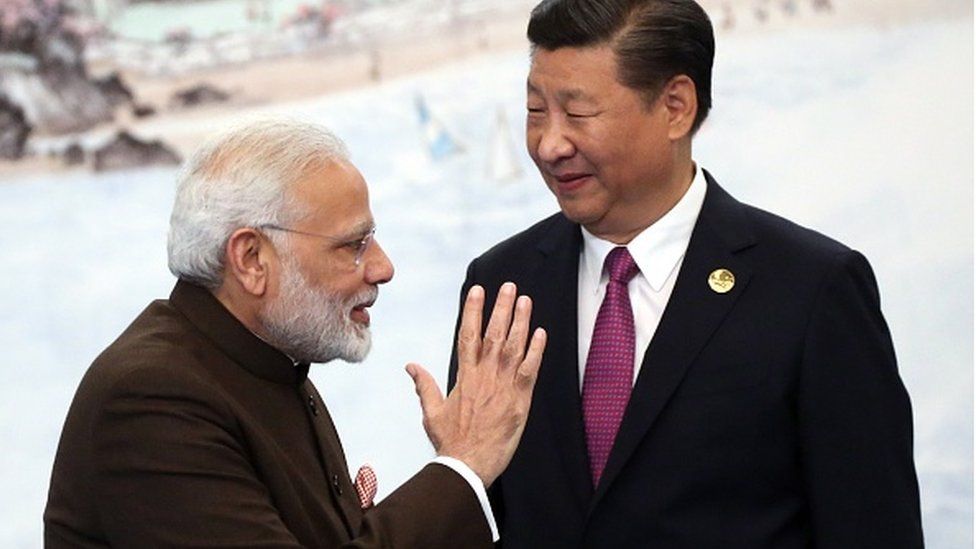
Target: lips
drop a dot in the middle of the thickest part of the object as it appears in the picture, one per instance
(570, 181)
(360, 313)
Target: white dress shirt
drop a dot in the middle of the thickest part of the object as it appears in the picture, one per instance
(469, 476)
(474, 481)
(658, 251)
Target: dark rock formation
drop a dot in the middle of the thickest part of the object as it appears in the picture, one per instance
(42, 69)
(200, 94)
(73, 155)
(14, 130)
(114, 89)
(142, 111)
(127, 151)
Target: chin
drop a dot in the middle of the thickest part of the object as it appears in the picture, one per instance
(357, 345)
(578, 213)
(581, 208)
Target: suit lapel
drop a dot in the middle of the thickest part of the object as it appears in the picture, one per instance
(558, 384)
(693, 313)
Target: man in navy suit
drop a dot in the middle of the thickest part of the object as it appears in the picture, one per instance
(763, 407)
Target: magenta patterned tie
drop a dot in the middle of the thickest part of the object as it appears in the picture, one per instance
(609, 373)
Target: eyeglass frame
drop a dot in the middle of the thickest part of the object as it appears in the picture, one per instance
(361, 243)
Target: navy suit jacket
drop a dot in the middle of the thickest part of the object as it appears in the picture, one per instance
(771, 416)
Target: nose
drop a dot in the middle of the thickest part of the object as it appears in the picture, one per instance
(551, 141)
(378, 267)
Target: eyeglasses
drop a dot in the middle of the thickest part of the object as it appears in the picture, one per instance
(359, 244)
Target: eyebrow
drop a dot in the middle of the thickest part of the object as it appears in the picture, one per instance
(359, 230)
(572, 94)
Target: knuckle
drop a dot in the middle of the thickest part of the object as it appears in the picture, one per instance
(525, 378)
(467, 337)
(511, 355)
(494, 339)
(519, 321)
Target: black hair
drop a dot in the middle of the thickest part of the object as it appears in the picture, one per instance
(653, 40)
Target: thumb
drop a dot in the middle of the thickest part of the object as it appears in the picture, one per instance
(427, 389)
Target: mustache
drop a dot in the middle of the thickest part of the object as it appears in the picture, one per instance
(366, 296)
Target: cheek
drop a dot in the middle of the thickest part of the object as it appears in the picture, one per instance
(532, 137)
(618, 168)
(602, 154)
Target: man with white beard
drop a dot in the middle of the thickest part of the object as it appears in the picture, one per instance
(198, 425)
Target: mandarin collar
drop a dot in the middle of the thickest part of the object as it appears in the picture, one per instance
(209, 315)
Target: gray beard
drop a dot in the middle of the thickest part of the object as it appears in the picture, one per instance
(313, 325)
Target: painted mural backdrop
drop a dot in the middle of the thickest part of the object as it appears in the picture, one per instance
(854, 118)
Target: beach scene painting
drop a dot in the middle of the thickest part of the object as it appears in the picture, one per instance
(852, 117)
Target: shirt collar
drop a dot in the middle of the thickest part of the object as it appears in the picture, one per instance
(658, 249)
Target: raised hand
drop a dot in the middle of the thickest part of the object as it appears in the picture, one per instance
(482, 419)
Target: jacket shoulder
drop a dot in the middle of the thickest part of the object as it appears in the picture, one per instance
(780, 233)
(519, 245)
(742, 225)
(153, 351)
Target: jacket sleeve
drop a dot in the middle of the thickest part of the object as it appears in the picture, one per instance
(435, 508)
(172, 471)
(855, 419)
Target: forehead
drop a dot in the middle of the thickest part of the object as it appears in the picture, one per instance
(334, 196)
(573, 73)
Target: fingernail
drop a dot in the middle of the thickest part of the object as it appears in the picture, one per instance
(508, 288)
(476, 291)
(523, 302)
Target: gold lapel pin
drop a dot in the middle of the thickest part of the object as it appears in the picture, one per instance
(721, 281)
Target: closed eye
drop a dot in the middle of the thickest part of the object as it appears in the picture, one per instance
(359, 242)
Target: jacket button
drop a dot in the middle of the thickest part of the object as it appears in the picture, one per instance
(311, 404)
(336, 485)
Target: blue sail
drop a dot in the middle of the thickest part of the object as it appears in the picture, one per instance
(440, 143)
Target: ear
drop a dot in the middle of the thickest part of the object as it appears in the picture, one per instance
(248, 260)
(681, 101)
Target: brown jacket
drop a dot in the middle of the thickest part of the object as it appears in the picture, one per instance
(189, 431)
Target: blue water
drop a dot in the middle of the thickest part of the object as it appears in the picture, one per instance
(203, 18)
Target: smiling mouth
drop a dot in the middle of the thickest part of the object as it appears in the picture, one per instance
(570, 181)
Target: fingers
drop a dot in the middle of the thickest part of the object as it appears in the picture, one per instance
(518, 334)
(501, 318)
(427, 389)
(505, 336)
(529, 369)
(469, 334)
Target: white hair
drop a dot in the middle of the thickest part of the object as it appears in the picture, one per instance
(237, 179)
(312, 324)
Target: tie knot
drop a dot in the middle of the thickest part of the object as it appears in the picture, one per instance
(620, 265)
